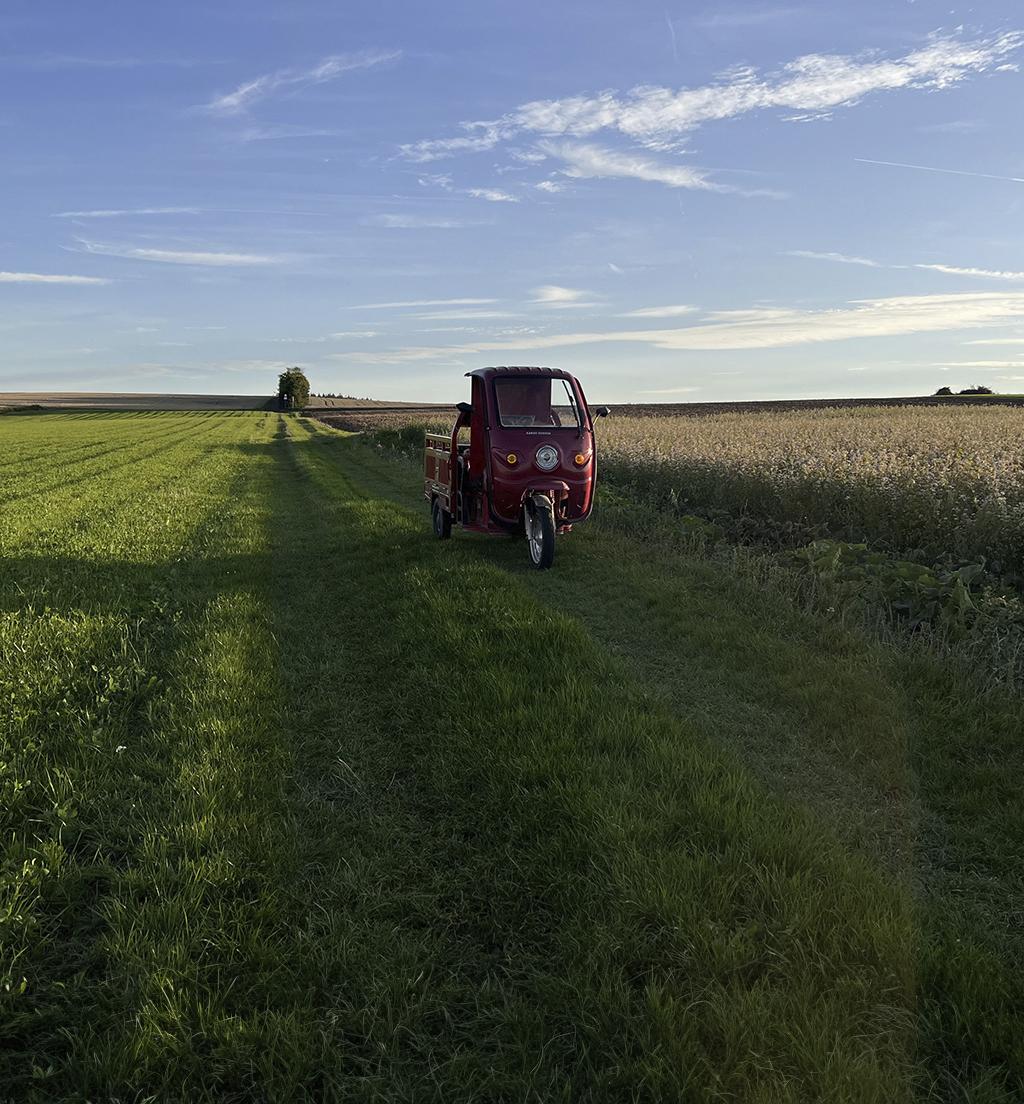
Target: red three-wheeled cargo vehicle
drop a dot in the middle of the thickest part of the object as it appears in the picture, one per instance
(529, 466)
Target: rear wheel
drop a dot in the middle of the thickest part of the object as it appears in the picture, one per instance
(442, 520)
(540, 532)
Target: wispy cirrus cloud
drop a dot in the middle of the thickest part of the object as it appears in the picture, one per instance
(1004, 364)
(584, 160)
(107, 213)
(402, 304)
(946, 269)
(669, 391)
(772, 328)
(282, 131)
(248, 93)
(979, 273)
(418, 222)
(48, 278)
(446, 183)
(211, 258)
(658, 117)
(671, 311)
(551, 295)
(461, 315)
(494, 195)
(839, 258)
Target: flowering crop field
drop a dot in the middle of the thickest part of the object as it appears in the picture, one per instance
(938, 481)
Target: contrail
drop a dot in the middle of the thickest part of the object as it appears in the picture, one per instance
(932, 168)
(672, 35)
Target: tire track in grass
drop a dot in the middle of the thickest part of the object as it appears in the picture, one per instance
(63, 432)
(69, 517)
(69, 476)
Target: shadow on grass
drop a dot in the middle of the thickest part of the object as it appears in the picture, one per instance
(968, 877)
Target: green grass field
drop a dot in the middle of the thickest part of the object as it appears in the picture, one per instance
(300, 804)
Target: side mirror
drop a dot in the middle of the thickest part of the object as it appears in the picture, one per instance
(602, 412)
(464, 408)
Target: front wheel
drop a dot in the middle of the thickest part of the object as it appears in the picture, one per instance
(442, 520)
(540, 532)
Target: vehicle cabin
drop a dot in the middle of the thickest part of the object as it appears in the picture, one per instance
(529, 465)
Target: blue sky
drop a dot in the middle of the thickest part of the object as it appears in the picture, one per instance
(677, 202)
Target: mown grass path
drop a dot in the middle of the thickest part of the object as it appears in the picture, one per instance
(300, 804)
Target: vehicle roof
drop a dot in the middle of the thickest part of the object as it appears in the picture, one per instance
(519, 370)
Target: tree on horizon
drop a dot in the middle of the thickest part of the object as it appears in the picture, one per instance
(293, 389)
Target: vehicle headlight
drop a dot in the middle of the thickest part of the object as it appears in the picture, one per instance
(547, 457)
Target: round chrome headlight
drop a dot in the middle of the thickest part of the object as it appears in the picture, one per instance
(547, 457)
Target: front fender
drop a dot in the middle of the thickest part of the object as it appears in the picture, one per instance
(554, 489)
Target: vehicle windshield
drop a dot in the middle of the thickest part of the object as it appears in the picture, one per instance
(535, 401)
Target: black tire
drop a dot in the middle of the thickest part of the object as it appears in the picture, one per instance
(441, 519)
(540, 532)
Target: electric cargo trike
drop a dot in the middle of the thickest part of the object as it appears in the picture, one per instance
(529, 466)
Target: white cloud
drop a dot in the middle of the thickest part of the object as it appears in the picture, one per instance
(660, 312)
(669, 391)
(779, 328)
(841, 258)
(178, 256)
(437, 180)
(433, 150)
(979, 364)
(551, 186)
(128, 211)
(551, 295)
(283, 131)
(46, 278)
(435, 316)
(949, 270)
(495, 195)
(331, 67)
(998, 341)
(400, 356)
(527, 157)
(418, 222)
(422, 303)
(659, 117)
(587, 161)
(983, 273)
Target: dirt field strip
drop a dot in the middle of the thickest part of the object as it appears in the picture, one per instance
(116, 400)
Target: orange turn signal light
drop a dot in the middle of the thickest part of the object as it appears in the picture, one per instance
(580, 459)
(512, 458)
